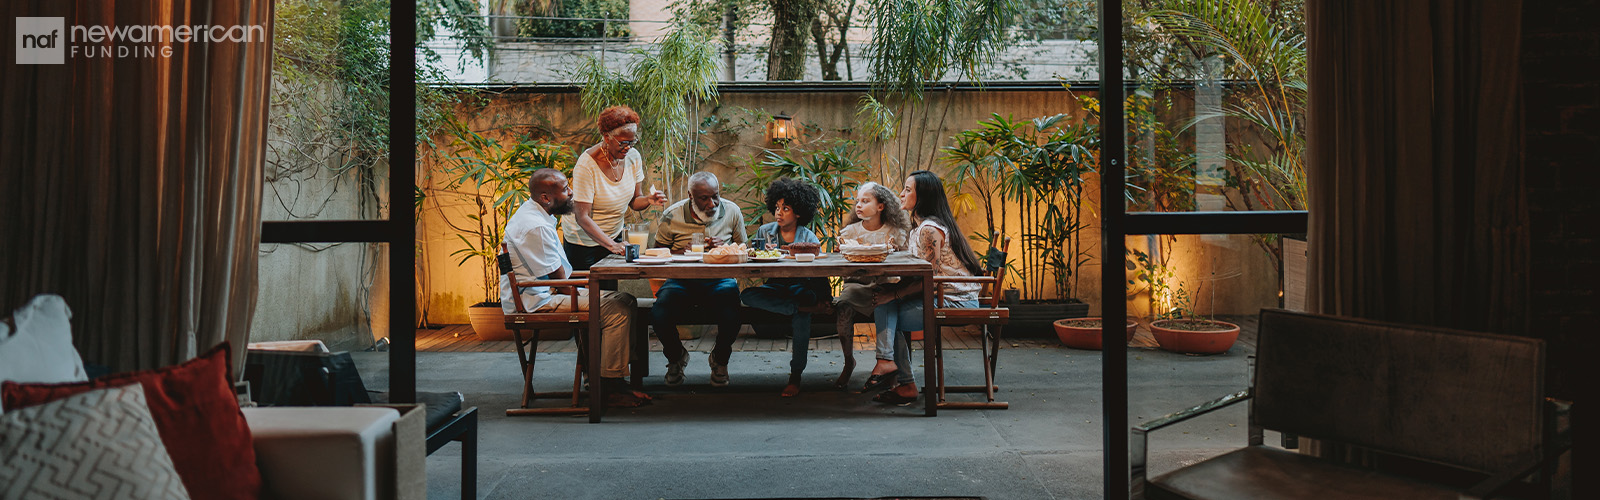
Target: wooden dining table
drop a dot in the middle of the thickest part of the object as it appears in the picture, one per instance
(900, 264)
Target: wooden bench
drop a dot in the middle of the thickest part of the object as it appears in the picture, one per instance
(639, 364)
(1443, 413)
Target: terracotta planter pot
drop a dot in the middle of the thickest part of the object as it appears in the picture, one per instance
(1191, 342)
(488, 322)
(1078, 337)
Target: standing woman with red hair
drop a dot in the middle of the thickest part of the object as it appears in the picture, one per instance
(606, 183)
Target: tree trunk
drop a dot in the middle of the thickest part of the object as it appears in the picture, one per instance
(791, 29)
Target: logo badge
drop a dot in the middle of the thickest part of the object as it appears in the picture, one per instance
(41, 40)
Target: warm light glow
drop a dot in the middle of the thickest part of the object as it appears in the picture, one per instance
(780, 130)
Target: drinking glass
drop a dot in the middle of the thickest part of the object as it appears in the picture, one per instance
(697, 242)
(638, 233)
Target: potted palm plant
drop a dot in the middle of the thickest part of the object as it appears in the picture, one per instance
(492, 175)
(1039, 165)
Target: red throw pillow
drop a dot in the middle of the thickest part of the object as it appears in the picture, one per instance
(196, 414)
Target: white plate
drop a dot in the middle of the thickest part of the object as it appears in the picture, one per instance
(686, 258)
(650, 262)
(765, 259)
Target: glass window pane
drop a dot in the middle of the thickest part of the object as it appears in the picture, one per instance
(328, 120)
(1216, 114)
(337, 293)
(1189, 293)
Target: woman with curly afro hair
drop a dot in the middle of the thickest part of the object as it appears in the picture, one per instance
(794, 204)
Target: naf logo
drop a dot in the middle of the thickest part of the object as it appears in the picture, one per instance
(41, 40)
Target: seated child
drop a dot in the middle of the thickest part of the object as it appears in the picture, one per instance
(876, 220)
(794, 203)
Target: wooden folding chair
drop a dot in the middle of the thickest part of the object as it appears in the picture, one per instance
(525, 328)
(988, 315)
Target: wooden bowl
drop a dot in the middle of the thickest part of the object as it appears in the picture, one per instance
(737, 258)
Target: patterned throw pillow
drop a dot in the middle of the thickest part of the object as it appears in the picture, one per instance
(98, 444)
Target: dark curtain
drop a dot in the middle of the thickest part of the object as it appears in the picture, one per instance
(132, 184)
(1417, 206)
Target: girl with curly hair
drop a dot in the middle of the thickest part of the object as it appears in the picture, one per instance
(876, 220)
(794, 204)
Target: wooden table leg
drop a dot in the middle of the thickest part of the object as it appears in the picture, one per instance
(597, 386)
(930, 344)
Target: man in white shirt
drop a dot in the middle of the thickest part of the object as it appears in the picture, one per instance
(535, 249)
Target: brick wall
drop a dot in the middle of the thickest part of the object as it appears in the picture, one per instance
(1561, 91)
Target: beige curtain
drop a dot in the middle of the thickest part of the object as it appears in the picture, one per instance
(1417, 206)
(132, 184)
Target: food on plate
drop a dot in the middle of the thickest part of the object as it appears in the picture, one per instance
(798, 248)
(657, 253)
(766, 254)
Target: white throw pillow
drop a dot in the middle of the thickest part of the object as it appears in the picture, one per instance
(40, 349)
(98, 444)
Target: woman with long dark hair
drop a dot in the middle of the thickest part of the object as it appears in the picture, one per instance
(936, 238)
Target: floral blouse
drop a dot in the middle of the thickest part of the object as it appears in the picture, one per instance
(931, 242)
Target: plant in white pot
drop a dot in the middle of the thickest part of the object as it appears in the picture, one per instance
(491, 174)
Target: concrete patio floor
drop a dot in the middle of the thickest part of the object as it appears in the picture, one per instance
(743, 441)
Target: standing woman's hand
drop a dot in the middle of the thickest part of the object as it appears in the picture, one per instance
(656, 196)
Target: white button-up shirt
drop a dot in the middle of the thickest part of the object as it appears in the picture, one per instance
(535, 250)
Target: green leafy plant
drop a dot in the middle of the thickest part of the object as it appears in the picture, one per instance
(666, 86)
(1041, 166)
(492, 174)
(584, 18)
(834, 166)
(918, 42)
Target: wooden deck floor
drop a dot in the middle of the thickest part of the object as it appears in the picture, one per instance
(459, 338)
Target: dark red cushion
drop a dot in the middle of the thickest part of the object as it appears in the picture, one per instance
(195, 412)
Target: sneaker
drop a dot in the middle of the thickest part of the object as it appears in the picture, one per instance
(674, 376)
(719, 374)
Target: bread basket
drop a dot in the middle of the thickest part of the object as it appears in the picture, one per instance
(734, 258)
(866, 258)
(865, 253)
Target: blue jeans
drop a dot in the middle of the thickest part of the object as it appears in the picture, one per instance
(678, 300)
(896, 318)
(786, 296)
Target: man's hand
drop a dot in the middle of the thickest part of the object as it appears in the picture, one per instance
(616, 248)
(713, 242)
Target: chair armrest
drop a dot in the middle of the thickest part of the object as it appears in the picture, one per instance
(1194, 411)
(566, 282)
(579, 274)
(964, 279)
(1559, 445)
(1138, 446)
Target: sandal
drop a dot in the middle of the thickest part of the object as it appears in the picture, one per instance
(894, 398)
(875, 382)
(793, 389)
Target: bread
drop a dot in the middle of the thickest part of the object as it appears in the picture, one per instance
(657, 252)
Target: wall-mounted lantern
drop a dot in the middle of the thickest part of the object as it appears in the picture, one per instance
(781, 129)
